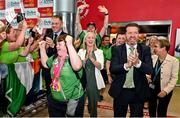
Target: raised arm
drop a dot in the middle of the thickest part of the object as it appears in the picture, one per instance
(26, 51)
(78, 23)
(106, 19)
(35, 45)
(2, 32)
(20, 39)
(43, 54)
(74, 58)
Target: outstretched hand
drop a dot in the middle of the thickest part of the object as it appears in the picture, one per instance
(102, 9)
(81, 7)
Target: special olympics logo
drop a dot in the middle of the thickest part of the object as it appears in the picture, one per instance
(84, 12)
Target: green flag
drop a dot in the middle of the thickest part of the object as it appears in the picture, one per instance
(18, 84)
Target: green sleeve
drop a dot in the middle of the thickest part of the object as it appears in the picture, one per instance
(49, 62)
(80, 72)
(6, 56)
(21, 58)
(98, 40)
(35, 55)
(109, 54)
(5, 47)
(81, 37)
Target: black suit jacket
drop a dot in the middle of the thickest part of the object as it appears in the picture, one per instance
(119, 58)
(51, 51)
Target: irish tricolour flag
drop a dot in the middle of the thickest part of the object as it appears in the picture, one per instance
(18, 84)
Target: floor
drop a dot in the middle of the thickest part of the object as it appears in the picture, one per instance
(105, 107)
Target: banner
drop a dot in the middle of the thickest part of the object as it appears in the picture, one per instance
(31, 8)
(18, 84)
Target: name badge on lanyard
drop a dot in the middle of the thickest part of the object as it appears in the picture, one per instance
(157, 70)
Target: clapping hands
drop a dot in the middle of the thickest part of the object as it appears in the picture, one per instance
(89, 55)
(133, 59)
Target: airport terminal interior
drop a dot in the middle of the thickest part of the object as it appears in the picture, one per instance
(107, 19)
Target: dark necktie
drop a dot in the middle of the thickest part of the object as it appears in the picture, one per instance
(55, 36)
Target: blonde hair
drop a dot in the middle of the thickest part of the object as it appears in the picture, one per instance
(84, 42)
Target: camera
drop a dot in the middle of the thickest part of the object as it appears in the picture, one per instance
(32, 33)
(20, 17)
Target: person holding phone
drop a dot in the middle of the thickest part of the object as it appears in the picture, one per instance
(50, 38)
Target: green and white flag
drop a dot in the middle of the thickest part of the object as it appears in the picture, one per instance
(18, 84)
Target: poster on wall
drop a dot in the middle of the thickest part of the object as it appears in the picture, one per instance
(177, 46)
(177, 51)
(32, 9)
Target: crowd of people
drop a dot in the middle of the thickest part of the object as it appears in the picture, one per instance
(76, 69)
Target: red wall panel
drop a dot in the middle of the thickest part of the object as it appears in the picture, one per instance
(46, 12)
(137, 10)
(30, 3)
(2, 4)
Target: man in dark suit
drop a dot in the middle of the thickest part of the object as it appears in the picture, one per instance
(129, 65)
(50, 38)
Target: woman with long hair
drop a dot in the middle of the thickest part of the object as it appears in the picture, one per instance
(93, 62)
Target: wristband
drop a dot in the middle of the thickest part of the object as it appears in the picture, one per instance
(106, 14)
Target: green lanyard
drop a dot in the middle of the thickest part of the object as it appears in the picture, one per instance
(157, 69)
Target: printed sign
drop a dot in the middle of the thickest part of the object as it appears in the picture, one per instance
(45, 23)
(31, 22)
(30, 3)
(2, 4)
(2, 14)
(12, 3)
(45, 3)
(31, 12)
(46, 12)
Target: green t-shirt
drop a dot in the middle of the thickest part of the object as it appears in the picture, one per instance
(109, 56)
(6, 56)
(106, 53)
(21, 58)
(35, 55)
(71, 86)
(83, 33)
